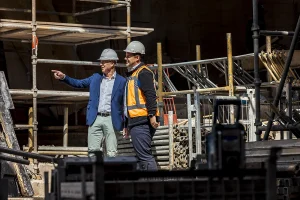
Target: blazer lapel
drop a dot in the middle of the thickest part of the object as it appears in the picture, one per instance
(116, 85)
(98, 87)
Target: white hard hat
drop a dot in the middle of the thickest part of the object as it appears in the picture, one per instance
(108, 54)
(135, 47)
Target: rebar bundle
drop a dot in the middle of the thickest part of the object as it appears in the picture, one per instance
(274, 63)
(181, 148)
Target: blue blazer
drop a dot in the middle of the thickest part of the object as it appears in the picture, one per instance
(117, 103)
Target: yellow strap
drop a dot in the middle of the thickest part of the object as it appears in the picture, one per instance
(140, 69)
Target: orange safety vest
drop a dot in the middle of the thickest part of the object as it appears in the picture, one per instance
(136, 100)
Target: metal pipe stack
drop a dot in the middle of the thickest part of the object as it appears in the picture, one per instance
(181, 148)
(274, 62)
(160, 147)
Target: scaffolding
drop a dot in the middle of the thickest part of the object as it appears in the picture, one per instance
(80, 34)
(36, 32)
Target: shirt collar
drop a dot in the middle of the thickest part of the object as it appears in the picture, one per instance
(113, 76)
(133, 68)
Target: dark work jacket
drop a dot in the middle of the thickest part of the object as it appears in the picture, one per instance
(146, 85)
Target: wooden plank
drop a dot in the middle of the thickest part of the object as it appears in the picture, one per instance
(10, 136)
(68, 27)
(73, 37)
(79, 32)
(124, 28)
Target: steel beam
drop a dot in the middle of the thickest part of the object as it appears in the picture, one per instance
(257, 81)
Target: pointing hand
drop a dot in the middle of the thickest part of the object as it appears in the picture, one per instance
(58, 74)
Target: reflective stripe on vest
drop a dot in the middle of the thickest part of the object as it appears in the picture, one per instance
(136, 95)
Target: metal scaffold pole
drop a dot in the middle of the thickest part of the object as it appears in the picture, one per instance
(230, 65)
(230, 73)
(30, 132)
(34, 82)
(160, 83)
(66, 127)
(257, 81)
(128, 7)
(198, 57)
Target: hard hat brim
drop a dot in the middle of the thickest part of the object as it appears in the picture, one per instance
(127, 51)
(108, 59)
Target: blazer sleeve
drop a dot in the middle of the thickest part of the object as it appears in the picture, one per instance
(78, 83)
(122, 99)
(124, 81)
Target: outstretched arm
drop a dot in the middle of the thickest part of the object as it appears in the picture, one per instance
(82, 83)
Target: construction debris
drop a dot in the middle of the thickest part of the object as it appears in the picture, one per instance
(10, 136)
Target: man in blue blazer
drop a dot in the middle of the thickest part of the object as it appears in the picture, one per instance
(105, 107)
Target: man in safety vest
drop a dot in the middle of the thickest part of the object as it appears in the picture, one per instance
(141, 109)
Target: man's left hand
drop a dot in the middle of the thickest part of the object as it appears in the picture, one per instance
(153, 122)
(125, 133)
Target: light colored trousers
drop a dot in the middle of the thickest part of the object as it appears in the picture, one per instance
(102, 130)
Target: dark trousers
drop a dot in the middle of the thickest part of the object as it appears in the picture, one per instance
(141, 137)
